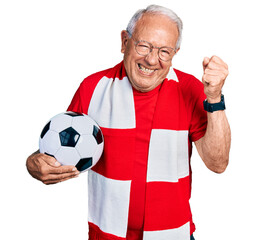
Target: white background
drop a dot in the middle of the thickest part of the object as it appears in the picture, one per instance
(48, 47)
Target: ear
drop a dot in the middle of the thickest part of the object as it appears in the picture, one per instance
(124, 40)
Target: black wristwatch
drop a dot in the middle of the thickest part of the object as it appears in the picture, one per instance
(212, 107)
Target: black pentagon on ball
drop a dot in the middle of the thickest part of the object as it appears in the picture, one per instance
(97, 134)
(45, 129)
(69, 137)
(84, 164)
(49, 154)
(74, 114)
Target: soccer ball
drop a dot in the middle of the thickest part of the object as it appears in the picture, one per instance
(73, 139)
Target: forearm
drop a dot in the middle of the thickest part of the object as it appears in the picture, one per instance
(214, 147)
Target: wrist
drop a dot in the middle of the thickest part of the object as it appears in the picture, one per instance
(214, 100)
(215, 105)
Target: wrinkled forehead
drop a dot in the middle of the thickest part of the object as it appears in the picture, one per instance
(156, 28)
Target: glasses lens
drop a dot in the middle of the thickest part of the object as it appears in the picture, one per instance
(143, 48)
(166, 53)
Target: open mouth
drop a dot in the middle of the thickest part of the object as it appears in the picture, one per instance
(145, 70)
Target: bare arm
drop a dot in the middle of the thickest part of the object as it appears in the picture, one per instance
(48, 170)
(214, 147)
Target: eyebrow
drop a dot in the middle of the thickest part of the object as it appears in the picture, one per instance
(154, 45)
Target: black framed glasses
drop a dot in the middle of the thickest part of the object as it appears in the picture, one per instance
(144, 48)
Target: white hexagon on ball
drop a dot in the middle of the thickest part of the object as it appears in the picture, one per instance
(53, 138)
(60, 122)
(67, 156)
(83, 125)
(90, 142)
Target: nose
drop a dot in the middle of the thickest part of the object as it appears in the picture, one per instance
(152, 58)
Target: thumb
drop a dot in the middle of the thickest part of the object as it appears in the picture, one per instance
(50, 160)
(206, 61)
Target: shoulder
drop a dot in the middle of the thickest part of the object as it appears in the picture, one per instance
(83, 95)
(94, 78)
(187, 80)
(189, 84)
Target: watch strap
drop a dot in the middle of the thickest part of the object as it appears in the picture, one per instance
(212, 107)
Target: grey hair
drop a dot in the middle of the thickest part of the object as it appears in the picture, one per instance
(156, 9)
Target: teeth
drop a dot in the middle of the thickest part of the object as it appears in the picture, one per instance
(146, 70)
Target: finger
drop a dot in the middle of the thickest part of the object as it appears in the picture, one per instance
(212, 80)
(55, 166)
(216, 63)
(50, 160)
(45, 169)
(54, 181)
(206, 61)
(63, 169)
(214, 66)
(63, 175)
(59, 177)
(214, 72)
(218, 60)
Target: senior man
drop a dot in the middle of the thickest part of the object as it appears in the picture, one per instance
(150, 114)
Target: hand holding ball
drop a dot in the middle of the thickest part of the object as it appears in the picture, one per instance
(73, 139)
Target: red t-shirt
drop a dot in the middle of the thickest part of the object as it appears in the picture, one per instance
(144, 108)
(192, 91)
